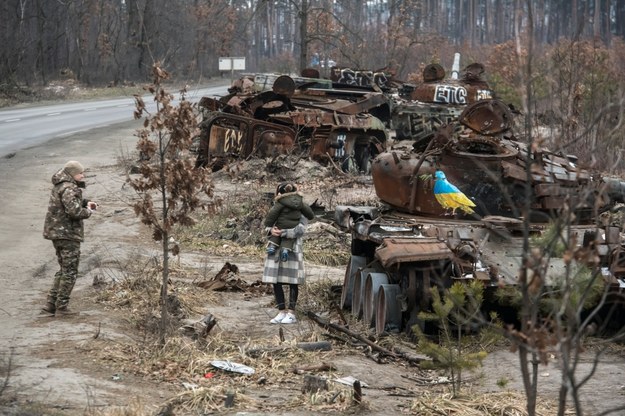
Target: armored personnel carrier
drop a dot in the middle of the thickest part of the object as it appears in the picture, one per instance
(457, 203)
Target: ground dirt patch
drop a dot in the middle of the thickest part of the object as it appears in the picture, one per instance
(106, 361)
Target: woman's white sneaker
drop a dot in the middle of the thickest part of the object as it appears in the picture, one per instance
(279, 317)
(289, 319)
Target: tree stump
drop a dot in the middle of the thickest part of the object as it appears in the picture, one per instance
(314, 384)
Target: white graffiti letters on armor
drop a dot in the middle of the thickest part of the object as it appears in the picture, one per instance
(233, 141)
(347, 77)
(484, 95)
(380, 79)
(362, 78)
(450, 95)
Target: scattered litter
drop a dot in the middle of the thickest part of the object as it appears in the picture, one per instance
(545, 374)
(209, 375)
(349, 381)
(116, 377)
(189, 386)
(234, 367)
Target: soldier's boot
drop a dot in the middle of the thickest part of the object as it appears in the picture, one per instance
(48, 311)
(65, 311)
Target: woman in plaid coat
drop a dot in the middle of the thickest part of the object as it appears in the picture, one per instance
(289, 272)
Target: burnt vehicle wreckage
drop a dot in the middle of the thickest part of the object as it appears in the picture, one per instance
(453, 187)
(324, 119)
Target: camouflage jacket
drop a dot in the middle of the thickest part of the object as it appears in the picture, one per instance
(66, 209)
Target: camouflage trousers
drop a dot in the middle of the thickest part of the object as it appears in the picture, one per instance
(68, 256)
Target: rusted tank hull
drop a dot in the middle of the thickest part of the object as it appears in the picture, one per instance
(405, 180)
(229, 135)
(495, 183)
(419, 253)
(437, 102)
(497, 173)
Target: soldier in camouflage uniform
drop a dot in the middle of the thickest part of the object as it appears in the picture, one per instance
(64, 226)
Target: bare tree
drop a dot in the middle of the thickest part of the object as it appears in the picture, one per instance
(167, 171)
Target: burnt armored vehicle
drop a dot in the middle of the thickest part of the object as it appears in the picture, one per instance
(453, 208)
(325, 119)
(419, 112)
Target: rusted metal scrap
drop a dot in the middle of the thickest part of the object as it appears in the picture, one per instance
(200, 328)
(238, 136)
(225, 280)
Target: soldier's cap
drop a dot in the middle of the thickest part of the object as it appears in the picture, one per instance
(73, 168)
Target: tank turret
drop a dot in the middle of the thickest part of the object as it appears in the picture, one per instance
(481, 157)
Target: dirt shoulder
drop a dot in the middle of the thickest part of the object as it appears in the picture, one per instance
(79, 365)
(35, 348)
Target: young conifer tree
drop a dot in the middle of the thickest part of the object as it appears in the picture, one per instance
(455, 311)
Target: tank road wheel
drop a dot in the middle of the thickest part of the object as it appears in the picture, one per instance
(358, 294)
(416, 286)
(355, 263)
(388, 309)
(373, 283)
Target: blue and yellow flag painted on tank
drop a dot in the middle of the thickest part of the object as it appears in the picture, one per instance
(449, 196)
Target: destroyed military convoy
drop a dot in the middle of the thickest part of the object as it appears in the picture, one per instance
(454, 186)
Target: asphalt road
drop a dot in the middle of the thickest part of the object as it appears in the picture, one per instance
(21, 128)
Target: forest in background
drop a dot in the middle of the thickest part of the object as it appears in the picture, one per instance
(576, 57)
(112, 41)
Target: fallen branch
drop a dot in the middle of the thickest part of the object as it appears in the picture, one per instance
(338, 170)
(340, 312)
(411, 358)
(276, 351)
(309, 368)
(315, 346)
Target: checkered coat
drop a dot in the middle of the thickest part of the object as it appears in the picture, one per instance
(291, 271)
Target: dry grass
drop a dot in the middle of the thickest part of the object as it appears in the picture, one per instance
(187, 362)
(184, 362)
(236, 228)
(495, 404)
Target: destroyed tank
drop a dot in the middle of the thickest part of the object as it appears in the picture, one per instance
(453, 208)
(418, 112)
(328, 121)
